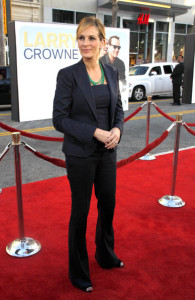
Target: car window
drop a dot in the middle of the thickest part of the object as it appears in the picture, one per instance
(139, 70)
(168, 69)
(157, 70)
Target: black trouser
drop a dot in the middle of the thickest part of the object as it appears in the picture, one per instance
(176, 93)
(100, 169)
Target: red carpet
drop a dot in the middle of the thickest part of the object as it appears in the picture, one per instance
(156, 243)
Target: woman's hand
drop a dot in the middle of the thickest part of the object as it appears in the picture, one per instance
(109, 138)
(101, 135)
(113, 139)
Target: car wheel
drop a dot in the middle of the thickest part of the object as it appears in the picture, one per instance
(138, 93)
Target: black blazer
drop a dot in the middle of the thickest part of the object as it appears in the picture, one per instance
(74, 110)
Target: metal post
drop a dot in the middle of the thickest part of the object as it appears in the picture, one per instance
(148, 156)
(16, 143)
(24, 246)
(176, 149)
(148, 120)
(171, 200)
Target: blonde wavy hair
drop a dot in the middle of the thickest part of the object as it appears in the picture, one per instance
(91, 21)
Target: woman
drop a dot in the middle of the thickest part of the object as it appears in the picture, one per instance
(88, 110)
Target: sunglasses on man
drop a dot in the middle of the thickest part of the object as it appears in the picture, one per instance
(116, 47)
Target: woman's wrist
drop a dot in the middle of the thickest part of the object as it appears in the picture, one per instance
(96, 132)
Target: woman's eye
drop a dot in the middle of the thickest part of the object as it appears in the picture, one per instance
(81, 38)
(92, 38)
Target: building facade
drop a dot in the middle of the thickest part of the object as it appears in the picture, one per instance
(157, 28)
(30, 11)
(19, 10)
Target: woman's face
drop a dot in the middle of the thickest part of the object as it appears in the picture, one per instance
(89, 43)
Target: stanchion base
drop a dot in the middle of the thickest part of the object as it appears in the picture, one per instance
(171, 201)
(23, 248)
(148, 156)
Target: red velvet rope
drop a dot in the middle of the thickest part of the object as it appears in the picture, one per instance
(55, 139)
(189, 129)
(62, 163)
(168, 117)
(33, 136)
(51, 139)
(190, 124)
(55, 161)
(144, 151)
(164, 114)
(133, 114)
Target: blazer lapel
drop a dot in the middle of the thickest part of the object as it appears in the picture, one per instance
(82, 80)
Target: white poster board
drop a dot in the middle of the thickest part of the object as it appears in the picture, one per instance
(41, 51)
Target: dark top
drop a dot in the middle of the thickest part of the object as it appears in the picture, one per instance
(102, 102)
(177, 73)
(118, 63)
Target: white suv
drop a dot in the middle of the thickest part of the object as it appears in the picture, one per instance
(150, 79)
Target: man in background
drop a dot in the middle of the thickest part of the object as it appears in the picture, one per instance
(177, 79)
(111, 57)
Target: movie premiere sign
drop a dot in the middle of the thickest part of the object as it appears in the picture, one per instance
(41, 51)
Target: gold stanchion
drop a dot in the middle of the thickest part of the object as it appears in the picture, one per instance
(24, 246)
(172, 200)
(148, 156)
